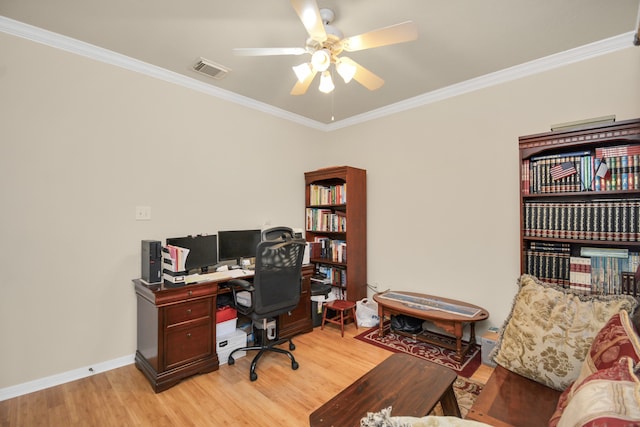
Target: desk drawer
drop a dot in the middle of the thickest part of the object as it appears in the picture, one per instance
(187, 311)
(187, 292)
(189, 342)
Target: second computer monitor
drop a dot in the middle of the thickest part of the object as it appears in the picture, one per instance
(238, 244)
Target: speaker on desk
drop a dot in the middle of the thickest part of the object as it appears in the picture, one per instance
(151, 261)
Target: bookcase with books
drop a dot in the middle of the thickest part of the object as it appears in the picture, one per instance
(580, 207)
(336, 228)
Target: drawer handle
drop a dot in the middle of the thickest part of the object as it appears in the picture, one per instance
(189, 335)
(189, 311)
(190, 293)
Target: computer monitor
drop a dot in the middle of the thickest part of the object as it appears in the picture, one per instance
(203, 251)
(238, 244)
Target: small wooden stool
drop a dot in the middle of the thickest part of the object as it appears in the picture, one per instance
(340, 306)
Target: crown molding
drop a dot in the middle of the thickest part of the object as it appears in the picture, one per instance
(107, 56)
(547, 63)
(78, 47)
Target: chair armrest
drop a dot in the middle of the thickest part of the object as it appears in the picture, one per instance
(240, 283)
(237, 286)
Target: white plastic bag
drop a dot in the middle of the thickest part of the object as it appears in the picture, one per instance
(367, 313)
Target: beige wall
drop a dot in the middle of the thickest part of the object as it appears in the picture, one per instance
(83, 143)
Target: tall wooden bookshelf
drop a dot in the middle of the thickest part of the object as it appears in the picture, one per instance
(580, 227)
(336, 226)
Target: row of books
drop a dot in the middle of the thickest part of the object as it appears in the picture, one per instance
(604, 275)
(549, 262)
(615, 220)
(624, 174)
(329, 249)
(623, 163)
(320, 195)
(556, 173)
(596, 274)
(336, 276)
(608, 169)
(327, 220)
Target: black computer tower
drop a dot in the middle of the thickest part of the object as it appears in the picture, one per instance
(151, 261)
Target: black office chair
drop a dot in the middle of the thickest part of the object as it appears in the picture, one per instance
(275, 290)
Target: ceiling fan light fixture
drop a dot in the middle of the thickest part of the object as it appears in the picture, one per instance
(321, 59)
(309, 17)
(346, 70)
(302, 71)
(326, 83)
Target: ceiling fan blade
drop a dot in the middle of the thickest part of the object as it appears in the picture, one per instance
(300, 88)
(309, 14)
(269, 51)
(398, 33)
(363, 76)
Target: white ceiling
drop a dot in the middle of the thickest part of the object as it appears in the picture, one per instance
(459, 41)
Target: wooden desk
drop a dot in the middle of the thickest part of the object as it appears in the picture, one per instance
(452, 323)
(410, 385)
(177, 328)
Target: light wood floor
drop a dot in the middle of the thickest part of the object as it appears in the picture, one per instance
(280, 396)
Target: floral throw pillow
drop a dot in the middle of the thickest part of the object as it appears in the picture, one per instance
(609, 397)
(615, 340)
(549, 331)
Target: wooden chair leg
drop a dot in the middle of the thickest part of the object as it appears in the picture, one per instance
(355, 320)
(342, 322)
(324, 317)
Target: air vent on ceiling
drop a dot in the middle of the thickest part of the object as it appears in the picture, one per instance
(211, 69)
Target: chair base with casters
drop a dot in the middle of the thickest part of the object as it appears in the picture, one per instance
(265, 347)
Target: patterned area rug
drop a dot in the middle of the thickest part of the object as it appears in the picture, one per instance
(433, 353)
(466, 392)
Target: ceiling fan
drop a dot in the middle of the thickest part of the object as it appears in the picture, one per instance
(326, 44)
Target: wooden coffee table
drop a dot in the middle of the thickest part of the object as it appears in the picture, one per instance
(410, 385)
(425, 307)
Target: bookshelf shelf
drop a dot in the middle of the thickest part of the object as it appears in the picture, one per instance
(336, 224)
(328, 262)
(338, 207)
(584, 242)
(586, 194)
(579, 199)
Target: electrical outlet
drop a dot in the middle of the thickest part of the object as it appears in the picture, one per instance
(143, 213)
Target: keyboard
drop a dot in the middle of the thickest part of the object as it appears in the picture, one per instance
(239, 273)
(217, 275)
(207, 277)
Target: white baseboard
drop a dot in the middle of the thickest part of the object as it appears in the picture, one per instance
(65, 377)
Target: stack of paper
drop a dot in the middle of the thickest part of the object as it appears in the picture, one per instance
(174, 260)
